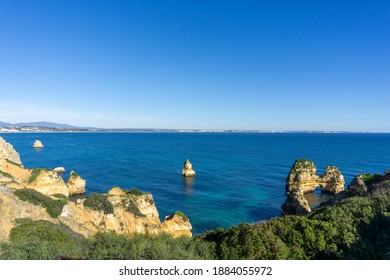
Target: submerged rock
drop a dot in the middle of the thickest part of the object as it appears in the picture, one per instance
(37, 144)
(187, 170)
(76, 184)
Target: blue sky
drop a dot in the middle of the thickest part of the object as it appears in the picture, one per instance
(283, 65)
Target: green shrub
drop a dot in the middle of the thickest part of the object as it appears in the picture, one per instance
(136, 192)
(111, 246)
(35, 173)
(97, 201)
(53, 207)
(61, 197)
(42, 240)
(132, 208)
(180, 214)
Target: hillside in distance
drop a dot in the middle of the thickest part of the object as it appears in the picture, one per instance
(38, 124)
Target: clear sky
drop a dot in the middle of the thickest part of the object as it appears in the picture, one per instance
(283, 65)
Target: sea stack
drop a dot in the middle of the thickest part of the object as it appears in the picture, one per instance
(37, 144)
(187, 170)
(76, 184)
(303, 176)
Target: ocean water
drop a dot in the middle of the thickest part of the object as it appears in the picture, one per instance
(239, 177)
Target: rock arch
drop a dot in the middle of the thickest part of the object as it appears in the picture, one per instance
(303, 176)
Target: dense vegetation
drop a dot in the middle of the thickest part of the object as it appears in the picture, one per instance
(52, 206)
(43, 240)
(350, 227)
(97, 201)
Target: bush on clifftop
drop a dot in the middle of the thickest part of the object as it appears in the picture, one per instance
(53, 207)
(97, 201)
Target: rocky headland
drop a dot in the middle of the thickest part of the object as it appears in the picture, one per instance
(303, 178)
(40, 194)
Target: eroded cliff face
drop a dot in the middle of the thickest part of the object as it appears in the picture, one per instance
(131, 213)
(12, 208)
(295, 204)
(303, 178)
(76, 184)
(8, 152)
(126, 212)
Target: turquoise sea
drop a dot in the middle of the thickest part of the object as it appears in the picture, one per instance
(239, 177)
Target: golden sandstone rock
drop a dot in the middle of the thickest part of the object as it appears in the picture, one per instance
(76, 184)
(8, 152)
(38, 144)
(187, 170)
(302, 179)
(303, 176)
(130, 212)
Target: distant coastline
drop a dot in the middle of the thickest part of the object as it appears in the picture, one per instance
(41, 127)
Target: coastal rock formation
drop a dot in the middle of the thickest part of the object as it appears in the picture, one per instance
(296, 204)
(116, 191)
(303, 176)
(41, 191)
(76, 184)
(37, 144)
(16, 171)
(187, 170)
(127, 212)
(8, 152)
(47, 182)
(12, 208)
(364, 184)
(59, 169)
(332, 181)
(177, 225)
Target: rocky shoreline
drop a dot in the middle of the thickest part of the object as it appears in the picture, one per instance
(37, 210)
(32, 193)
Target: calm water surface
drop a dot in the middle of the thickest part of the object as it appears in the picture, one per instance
(239, 177)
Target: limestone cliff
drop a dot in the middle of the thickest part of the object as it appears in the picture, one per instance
(128, 212)
(8, 152)
(12, 208)
(303, 176)
(41, 194)
(296, 204)
(47, 182)
(332, 181)
(364, 184)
